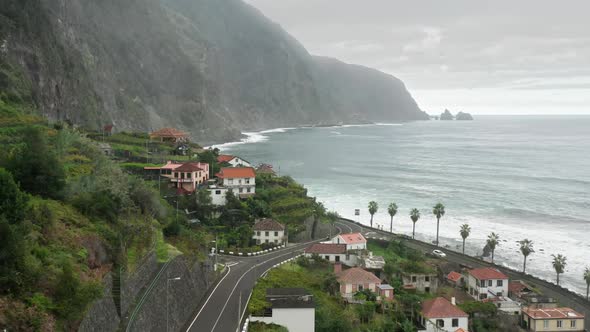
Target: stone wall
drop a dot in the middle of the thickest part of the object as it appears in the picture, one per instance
(180, 297)
(102, 316)
(322, 230)
(132, 284)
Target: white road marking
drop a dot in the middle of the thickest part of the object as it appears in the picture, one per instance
(207, 301)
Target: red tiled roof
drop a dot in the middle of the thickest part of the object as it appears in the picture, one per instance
(224, 158)
(265, 169)
(454, 276)
(517, 286)
(326, 248)
(268, 225)
(169, 132)
(353, 238)
(460, 330)
(487, 273)
(441, 308)
(236, 172)
(189, 167)
(546, 313)
(357, 275)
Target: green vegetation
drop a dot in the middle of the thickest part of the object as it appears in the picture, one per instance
(262, 327)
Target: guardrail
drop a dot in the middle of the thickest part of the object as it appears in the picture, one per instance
(250, 254)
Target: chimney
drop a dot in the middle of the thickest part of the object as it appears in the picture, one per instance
(453, 302)
(337, 267)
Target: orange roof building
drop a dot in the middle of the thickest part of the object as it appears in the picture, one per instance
(353, 241)
(169, 135)
(439, 314)
(553, 319)
(354, 280)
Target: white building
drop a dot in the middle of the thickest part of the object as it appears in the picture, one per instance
(269, 231)
(233, 161)
(484, 283)
(440, 315)
(353, 241)
(332, 252)
(241, 181)
(292, 308)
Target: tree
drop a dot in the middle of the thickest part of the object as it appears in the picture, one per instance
(493, 241)
(13, 201)
(559, 263)
(36, 167)
(587, 279)
(414, 215)
(465, 231)
(439, 211)
(373, 207)
(12, 258)
(331, 218)
(392, 210)
(526, 248)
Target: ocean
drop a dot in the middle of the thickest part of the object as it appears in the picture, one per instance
(519, 176)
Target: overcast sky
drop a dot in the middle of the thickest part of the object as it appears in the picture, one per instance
(494, 57)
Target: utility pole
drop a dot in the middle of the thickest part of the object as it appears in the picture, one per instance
(168, 279)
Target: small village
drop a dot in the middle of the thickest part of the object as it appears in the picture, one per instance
(376, 282)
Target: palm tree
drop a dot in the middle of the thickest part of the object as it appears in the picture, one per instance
(373, 207)
(526, 248)
(439, 211)
(414, 215)
(587, 278)
(465, 231)
(392, 210)
(493, 241)
(559, 263)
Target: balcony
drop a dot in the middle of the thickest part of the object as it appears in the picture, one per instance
(182, 180)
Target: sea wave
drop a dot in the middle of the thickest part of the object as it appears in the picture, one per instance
(250, 137)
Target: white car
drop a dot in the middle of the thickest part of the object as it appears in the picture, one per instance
(438, 253)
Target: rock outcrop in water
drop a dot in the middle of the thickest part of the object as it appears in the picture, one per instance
(211, 67)
(461, 116)
(447, 116)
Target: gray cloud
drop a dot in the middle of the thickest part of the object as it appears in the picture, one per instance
(451, 44)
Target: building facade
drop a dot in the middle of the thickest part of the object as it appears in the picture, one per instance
(353, 241)
(354, 280)
(334, 253)
(292, 308)
(487, 283)
(552, 319)
(269, 231)
(439, 315)
(241, 181)
(421, 282)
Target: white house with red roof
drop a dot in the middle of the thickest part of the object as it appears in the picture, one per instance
(440, 314)
(334, 253)
(487, 282)
(353, 241)
(269, 231)
(241, 181)
(233, 161)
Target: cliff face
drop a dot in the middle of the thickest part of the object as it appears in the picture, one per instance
(212, 67)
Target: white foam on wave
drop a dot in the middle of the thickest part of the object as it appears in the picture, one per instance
(250, 137)
(388, 124)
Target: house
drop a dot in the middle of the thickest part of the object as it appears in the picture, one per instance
(169, 135)
(353, 241)
(439, 314)
(486, 282)
(106, 149)
(355, 280)
(233, 161)
(189, 176)
(455, 279)
(334, 253)
(374, 264)
(269, 231)
(421, 282)
(385, 292)
(293, 308)
(107, 130)
(241, 181)
(265, 169)
(552, 319)
(504, 304)
(537, 301)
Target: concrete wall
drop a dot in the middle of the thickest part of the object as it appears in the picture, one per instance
(132, 283)
(181, 299)
(294, 319)
(322, 230)
(102, 316)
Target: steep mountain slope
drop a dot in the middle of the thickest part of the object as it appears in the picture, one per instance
(212, 67)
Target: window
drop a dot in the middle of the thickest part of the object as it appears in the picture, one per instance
(489, 283)
(337, 258)
(482, 283)
(182, 175)
(440, 323)
(427, 289)
(241, 190)
(360, 288)
(455, 322)
(499, 294)
(276, 233)
(258, 233)
(500, 283)
(248, 190)
(248, 181)
(276, 241)
(545, 324)
(266, 241)
(240, 181)
(230, 181)
(413, 278)
(266, 233)
(189, 175)
(572, 323)
(559, 323)
(175, 175)
(327, 257)
(427, 279)
(217, 192)
(483, 296)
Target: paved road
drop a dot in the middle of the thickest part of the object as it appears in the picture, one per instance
(225, 305)
(564, 297)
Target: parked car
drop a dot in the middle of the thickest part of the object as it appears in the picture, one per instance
(438, 253)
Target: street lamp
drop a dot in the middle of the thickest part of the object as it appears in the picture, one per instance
(167, 296)
(215, 266)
